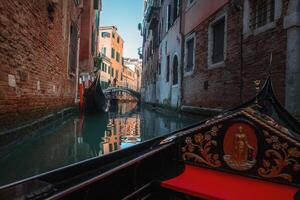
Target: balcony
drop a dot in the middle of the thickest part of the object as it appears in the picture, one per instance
(152, 13)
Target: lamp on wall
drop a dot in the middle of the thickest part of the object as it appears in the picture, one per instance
(51, 9)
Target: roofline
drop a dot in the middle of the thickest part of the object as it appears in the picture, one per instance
(108, 27)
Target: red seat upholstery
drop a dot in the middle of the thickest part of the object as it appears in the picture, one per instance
(211, 184)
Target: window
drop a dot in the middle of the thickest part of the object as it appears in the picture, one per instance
(93, 47)
(218, 31)
(112, 72)
(263, 12)
(190, 3)
(77, 2)
(168, 22)
(151, 48)
(112, 53)
(175, 71)
(117, 74)
(190, 51)
(103, 51)
(113, 35)
(118, 57)
(118, 39)
(168, 69)
(159, 68)
(102, 67)
(176, 9)
(73, 49)
(161, 30)
(105, 34)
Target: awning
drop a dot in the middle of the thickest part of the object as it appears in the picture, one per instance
(212, 184)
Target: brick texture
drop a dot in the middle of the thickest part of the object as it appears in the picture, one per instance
(232, 84)
(34, 50)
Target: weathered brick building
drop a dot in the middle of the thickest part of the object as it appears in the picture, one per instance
(90, 22)
(230, 44)
(39, 57)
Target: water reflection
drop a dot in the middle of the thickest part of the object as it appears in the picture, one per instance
(81, 137)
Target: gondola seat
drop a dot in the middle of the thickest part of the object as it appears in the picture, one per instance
(211, 184)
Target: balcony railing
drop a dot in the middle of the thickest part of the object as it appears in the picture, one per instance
(152, 5)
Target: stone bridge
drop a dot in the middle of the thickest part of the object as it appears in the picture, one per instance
(111, 90)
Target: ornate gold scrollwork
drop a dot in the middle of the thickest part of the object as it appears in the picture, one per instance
(280, 156)
(199, 148)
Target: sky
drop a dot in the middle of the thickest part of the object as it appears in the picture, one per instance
(126, 15)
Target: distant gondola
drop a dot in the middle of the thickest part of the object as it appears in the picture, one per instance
(249, 152)
(94, 98)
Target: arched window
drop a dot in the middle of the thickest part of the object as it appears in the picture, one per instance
(175, 70)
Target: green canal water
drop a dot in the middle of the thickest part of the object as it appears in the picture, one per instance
(77, 138)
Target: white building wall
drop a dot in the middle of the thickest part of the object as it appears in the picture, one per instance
(170, 46)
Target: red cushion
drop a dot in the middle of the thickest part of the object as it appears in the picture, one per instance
(212, 184)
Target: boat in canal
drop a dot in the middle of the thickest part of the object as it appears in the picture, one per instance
(94, 98)
(249, 152)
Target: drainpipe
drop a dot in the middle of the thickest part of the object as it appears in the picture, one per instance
(181, 64)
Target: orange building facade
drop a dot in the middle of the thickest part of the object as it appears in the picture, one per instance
(111, 46)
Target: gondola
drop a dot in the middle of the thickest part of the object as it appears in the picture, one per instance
(249, 152)
(94, 98)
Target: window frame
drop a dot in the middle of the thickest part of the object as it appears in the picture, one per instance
(113, 52)
(168, 69)
(247, 30)
(210, 64)
(187, 39)
(103, 51)
(176, 9)
(189, 4)
(105, 34)
(169, 17)
(256, 15)
(118, 57)
(175, 56)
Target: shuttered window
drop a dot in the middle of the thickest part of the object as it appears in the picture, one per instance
(112, 53)
(263, 12)
(73, 49)
(190, 55)
(168, 69)
(175, 9)
(218, 41)
(175, 71)
(118, 57)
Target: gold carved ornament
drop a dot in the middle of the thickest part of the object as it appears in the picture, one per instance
(280, 156)
(199, 149)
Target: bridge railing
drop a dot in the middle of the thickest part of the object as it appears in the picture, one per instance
(132, 92)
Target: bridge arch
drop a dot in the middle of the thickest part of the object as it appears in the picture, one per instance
(129, 91)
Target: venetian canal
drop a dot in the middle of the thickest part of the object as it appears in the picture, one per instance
(77, 138)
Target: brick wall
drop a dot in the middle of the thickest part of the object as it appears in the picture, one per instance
(87, 28)
(34, 76)
(229, 85)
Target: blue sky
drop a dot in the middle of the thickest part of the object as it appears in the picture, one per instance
(125, 14)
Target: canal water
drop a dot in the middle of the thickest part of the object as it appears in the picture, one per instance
(79, 137)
